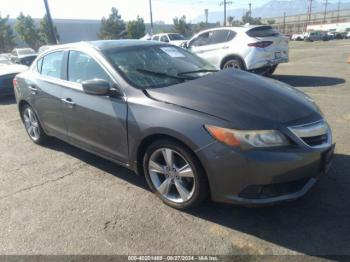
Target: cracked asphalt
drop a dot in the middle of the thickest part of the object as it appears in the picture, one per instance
(61, 200)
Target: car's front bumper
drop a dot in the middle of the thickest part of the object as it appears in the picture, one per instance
(262, 176)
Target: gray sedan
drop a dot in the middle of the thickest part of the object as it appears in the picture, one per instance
(167, 114)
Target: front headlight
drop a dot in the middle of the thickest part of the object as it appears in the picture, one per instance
(248, 139)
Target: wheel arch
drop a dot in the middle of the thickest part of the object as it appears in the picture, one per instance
(232, 56)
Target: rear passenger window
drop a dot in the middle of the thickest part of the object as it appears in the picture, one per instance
(219, 36)
(52, 64)
(81, 67)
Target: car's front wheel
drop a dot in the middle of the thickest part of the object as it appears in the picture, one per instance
(233, 63)
(32, 125)
(174, 174)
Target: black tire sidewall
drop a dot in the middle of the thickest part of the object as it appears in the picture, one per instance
(201, 184)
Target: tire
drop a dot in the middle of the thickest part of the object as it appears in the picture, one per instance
(233, 63)
(271, 71)
(33, 126)
(187, 176)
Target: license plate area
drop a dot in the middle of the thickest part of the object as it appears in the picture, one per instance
(326, 159)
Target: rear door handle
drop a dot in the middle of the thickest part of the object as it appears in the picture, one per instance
(68, 101)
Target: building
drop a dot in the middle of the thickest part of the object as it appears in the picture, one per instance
(298, 23)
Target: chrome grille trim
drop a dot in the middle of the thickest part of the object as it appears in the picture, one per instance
(314, 129)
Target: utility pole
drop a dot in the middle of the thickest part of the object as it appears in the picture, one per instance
(151, 15)
(338, 18)
(53, 37)
(284, 23)
(206, 13)
(309, 13)
(250, 9)
(225, 3)
(325, 11)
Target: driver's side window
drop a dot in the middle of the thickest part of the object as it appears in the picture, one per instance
(201, 40)
(82, 67)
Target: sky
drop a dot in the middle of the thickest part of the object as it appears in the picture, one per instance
(163, 10)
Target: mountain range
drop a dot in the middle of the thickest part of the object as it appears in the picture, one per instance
(275, 8)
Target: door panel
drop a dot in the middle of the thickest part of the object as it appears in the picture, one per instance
(46, 92)
(97, 123)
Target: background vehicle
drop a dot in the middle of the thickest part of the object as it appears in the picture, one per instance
(162, 111)
(24, 56)
(348, 35)
(298, 37)
(171, 38)
(257, 49)
(316, 36)
(5, 59)
(8, 71)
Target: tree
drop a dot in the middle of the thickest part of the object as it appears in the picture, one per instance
(248, 19)
(181, 27)
(271, 21)
(27, 31)
(44, 31)
(136, 28)
(7, 38)
(113, 27)
(200, 27)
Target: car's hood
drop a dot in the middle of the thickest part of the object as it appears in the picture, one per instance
(12, 69)
(246, 100)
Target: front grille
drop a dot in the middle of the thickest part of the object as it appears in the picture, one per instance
(273, 190)
(315, 140)
(316, 134)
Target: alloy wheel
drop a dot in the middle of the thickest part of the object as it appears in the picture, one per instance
(171, 175)
(232, 64)
(31, 123)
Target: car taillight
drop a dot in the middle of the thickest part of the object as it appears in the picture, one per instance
(14, 81)
(261, 44)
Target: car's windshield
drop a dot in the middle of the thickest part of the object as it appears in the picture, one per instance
(175, 37)
(26, 51)
(157, 66)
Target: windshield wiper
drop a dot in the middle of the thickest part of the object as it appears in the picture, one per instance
(198, 71)
(162, 74)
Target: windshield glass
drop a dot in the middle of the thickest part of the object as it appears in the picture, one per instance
(26, 51)
(262, 31)
(157, 66)
(175, 37)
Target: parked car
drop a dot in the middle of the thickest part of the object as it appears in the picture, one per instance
(5, 59)
(298, 37)
(316, 36)
(163, 112)
(8, 71)
(171, 38)
(24, 56)
(348, 35)
(257, 49)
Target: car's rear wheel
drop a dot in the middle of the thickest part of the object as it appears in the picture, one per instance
(174, 174)
(32, 125)
(271, 70)
(233, 63)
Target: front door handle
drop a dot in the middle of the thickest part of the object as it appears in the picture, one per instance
(33, 89)
(68, 101)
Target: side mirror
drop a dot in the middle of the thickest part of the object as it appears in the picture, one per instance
(97, 87)
(184, 45)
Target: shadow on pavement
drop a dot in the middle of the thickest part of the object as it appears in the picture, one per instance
(317, 224)
(308, 81)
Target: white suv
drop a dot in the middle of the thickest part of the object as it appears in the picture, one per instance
(171, 38)
(257, 49)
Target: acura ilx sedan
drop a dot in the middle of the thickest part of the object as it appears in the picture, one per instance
(169, 115)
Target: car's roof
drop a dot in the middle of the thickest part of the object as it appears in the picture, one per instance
(243, 29)
(104, 45)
